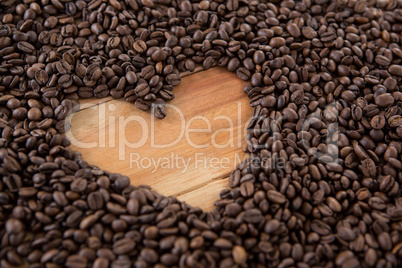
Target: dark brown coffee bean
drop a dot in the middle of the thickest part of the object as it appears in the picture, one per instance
(239, 255)
(368, 167)
(27, 192)
(377, 122)
(173, 79)
(333, 204)
(247, 189)
(142, 105)
(123, 246)
(384, 100)
(277, 42)
(65, 81)
(149, 255)
(41, 77)
(11, 164)
(14, 226)
(233, 64)
(95, 201)
(252, 216)
(346, 234)
(384, 240)
(309, 32)
(276, 197)
(395, 70)
(140, 46)
(268, 101)
(293, 30)
(148, 72)
(395, 121)
(243, 73)
(158, 107)
(142, 89)
(26, 47)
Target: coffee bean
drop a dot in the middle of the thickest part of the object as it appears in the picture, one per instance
(123, 246)
(148, 72)
(277, 42)
(293, 30)
(25, 47)
(41, 77)
(268, 101)
(158, 107)
(395, 70)
(239, 255)
(11, 164)
(321, 184)
(333, 204)
(95, 201)
(142, 105)
(243, 73)
(14, 226)
(65, 81)
(276, 197)
(253, 216)
(173, 79)
(346, 234)
(384, 240)
(271, 226)
(247, 189)
(142, 89)
(384, 100)
(309, 32)
(149, 255)
(368, 167)
(377, 122)
(140, 46)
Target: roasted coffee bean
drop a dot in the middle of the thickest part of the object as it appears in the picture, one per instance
(173, 79)
(277, 42)
(247, 189)
(253, 216)
(148, 72)
(123, 246)
(14, 226)
(140, 46)
(142, 105)
(276, 197)
(377, 122)
(41, 77)
(321, 185)
(243, 73)
(158, 107)
(384, 100)
(293, 30)
(26, 47)
(395, 70)
(142, 89)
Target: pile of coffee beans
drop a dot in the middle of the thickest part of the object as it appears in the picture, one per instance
(322, 186)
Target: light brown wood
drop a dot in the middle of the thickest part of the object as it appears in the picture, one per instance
(196, 175)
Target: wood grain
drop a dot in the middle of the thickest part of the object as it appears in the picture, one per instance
(193, 166)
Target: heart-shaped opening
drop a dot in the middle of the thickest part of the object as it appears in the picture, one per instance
(189, 154)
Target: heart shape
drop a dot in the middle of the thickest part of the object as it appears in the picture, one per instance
(192, 166)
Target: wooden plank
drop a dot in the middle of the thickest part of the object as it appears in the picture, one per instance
(190, 162)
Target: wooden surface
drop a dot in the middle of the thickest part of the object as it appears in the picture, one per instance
(112, 127)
